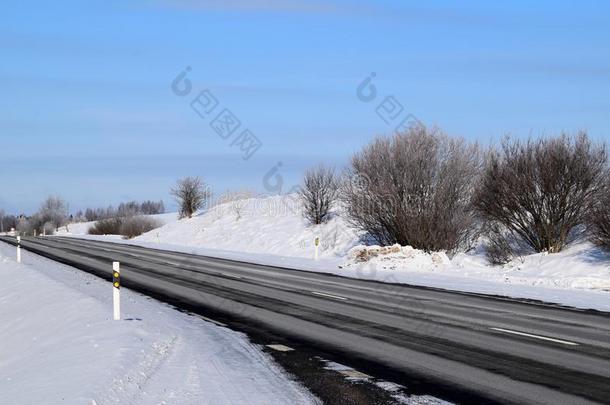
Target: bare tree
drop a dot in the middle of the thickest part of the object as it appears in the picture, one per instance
(53, 211)
(152, 208)
(538, 192)
(7, 222)
(79, 217)
(23, 226)
(415, 188)
(319, 193)
(191, 195)
(129, 209)
(125, 209)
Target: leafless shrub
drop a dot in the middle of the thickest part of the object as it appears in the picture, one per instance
(538, 191)
(498, 247)
(136, 226)
(110, 226)
(128, 227)
(598, 220)
(48, 228)
(191, 194)
(318, 193)
(236, 201)
(415, 189)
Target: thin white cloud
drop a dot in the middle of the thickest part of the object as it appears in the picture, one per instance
(292, 6)
(404, 12)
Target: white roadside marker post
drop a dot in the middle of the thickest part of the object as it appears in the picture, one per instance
(18, 249)
(116, 290)
(316, 243)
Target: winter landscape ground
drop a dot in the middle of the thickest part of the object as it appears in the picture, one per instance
(271, 230)
(344, 202)
(60, 345)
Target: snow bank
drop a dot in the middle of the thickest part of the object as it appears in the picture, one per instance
(269, 225)
(580, 266)
(579, 276)
(272, 231)
(60, 345)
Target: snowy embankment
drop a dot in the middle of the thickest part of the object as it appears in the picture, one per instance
(270, 231)
(60, 345)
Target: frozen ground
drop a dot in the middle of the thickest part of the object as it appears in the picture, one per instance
(271, 231)
(59, 344)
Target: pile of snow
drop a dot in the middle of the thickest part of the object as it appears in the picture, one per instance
(60, 345)
(394, 256)
(270, 225)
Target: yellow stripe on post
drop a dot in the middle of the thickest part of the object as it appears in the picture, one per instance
(116, 279)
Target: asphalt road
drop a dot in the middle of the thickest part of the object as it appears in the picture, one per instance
(497, 349)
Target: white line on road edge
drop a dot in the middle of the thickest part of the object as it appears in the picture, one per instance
(329, 295)
(232, 276)
(355, 374)
(514, 332)
(217, 323)
(280, 348)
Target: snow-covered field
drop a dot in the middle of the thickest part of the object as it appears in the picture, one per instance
(271, 231)
(59, 344)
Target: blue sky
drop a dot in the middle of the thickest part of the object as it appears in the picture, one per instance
(87, 110)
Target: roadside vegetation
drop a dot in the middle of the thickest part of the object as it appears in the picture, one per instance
(415, 188)
(424, 189)
(128, 226)
(191, 194)
(129, 219)
(537, 195)
(598, 218)
(123, 210)
(52, 214)
(319, 193)
(419, 188)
